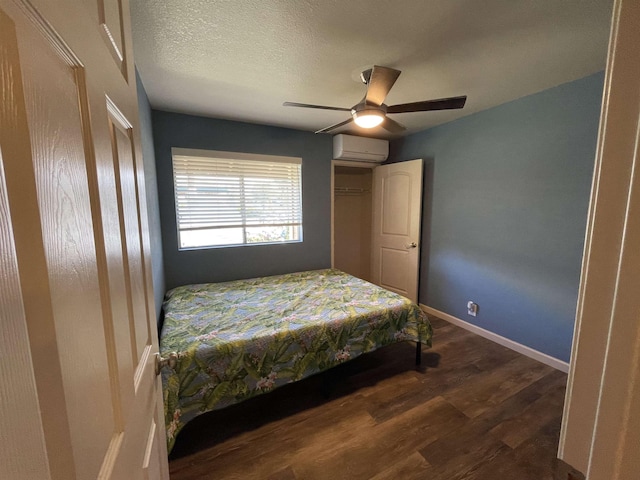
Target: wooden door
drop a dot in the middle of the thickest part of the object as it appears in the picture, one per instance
(397, 208)
(78, 320)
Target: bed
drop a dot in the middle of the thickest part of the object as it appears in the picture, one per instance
(239, 339)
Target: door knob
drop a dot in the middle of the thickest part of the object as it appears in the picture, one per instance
(171, 361)
(411, 245)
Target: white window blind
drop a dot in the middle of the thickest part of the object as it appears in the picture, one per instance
(225, 198)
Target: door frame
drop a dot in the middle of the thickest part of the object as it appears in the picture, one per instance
(600, 429)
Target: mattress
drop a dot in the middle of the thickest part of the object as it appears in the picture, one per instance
(236, 340)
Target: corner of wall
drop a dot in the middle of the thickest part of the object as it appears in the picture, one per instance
(151, 187)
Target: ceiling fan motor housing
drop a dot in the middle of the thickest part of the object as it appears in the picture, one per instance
(363, 106)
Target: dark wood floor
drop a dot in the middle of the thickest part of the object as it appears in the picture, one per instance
(473, 410)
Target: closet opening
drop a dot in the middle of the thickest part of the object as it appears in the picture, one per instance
(351, 218)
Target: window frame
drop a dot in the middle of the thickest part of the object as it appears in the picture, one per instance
(213, 154)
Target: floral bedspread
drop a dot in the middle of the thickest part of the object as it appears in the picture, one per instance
(239, 339)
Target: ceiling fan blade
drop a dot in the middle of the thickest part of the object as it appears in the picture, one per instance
(333, 127)
(319, 107)
(380, 82)
(392, 126)
(439, 104)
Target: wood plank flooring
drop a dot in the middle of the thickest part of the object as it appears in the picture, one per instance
(473, 410)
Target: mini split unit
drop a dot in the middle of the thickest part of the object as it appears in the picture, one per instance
(362, 149)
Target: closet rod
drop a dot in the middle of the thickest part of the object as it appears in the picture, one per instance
(350, 190)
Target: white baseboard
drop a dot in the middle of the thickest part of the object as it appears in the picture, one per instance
(505, 342)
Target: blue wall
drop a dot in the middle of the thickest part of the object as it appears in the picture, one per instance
(506, 199)
(221, 264)
(153, 211)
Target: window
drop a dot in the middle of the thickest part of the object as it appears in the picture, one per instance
(225, 198)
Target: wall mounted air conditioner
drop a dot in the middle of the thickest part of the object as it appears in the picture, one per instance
(363, 149)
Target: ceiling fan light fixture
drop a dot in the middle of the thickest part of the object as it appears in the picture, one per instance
(368, 118)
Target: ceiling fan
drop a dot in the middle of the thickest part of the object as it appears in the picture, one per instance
(371, 111)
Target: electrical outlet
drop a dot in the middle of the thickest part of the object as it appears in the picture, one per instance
(472, 308)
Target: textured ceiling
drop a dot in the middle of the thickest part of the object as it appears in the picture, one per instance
(240, 59)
